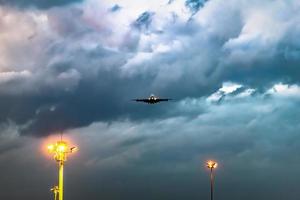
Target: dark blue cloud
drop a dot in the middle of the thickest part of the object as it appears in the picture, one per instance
(144, 20)
(195, 5)
(115, 8)
(252, 147)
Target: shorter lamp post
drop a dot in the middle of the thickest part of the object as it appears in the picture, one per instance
(211, 165)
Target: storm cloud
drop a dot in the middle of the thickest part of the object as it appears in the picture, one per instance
(80, 69)
(231, 68)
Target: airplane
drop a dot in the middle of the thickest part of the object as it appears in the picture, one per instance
(151, 100)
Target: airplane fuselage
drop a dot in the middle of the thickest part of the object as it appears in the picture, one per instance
(152, 100)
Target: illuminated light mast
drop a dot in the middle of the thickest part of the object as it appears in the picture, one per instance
(60, 150)
(211, 165)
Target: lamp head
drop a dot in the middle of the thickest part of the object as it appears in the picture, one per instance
(73, 149)
(50, 148)
(61, 147)
(60, 150)
(211, 164)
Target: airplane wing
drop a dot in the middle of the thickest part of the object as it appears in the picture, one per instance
(141, 100)
(163, 99)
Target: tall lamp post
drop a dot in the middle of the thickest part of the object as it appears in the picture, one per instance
(211, 165)
(60, 150)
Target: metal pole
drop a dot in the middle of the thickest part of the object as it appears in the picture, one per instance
(61, 180)
(211, 184)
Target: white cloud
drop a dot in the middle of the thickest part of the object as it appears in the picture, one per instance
(23, 38)
(285, 90)
(227, 88)
(14, 75)
(248, 92)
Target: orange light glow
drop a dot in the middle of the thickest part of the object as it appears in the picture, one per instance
(211, 164)
(47, 145)
(61, 146)
(50, 148)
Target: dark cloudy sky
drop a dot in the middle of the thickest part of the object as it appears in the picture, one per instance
(232, 68)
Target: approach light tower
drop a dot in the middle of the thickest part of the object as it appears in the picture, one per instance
(211, 165)
(60, 150)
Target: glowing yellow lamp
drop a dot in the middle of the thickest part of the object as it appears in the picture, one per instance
(211, 164)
